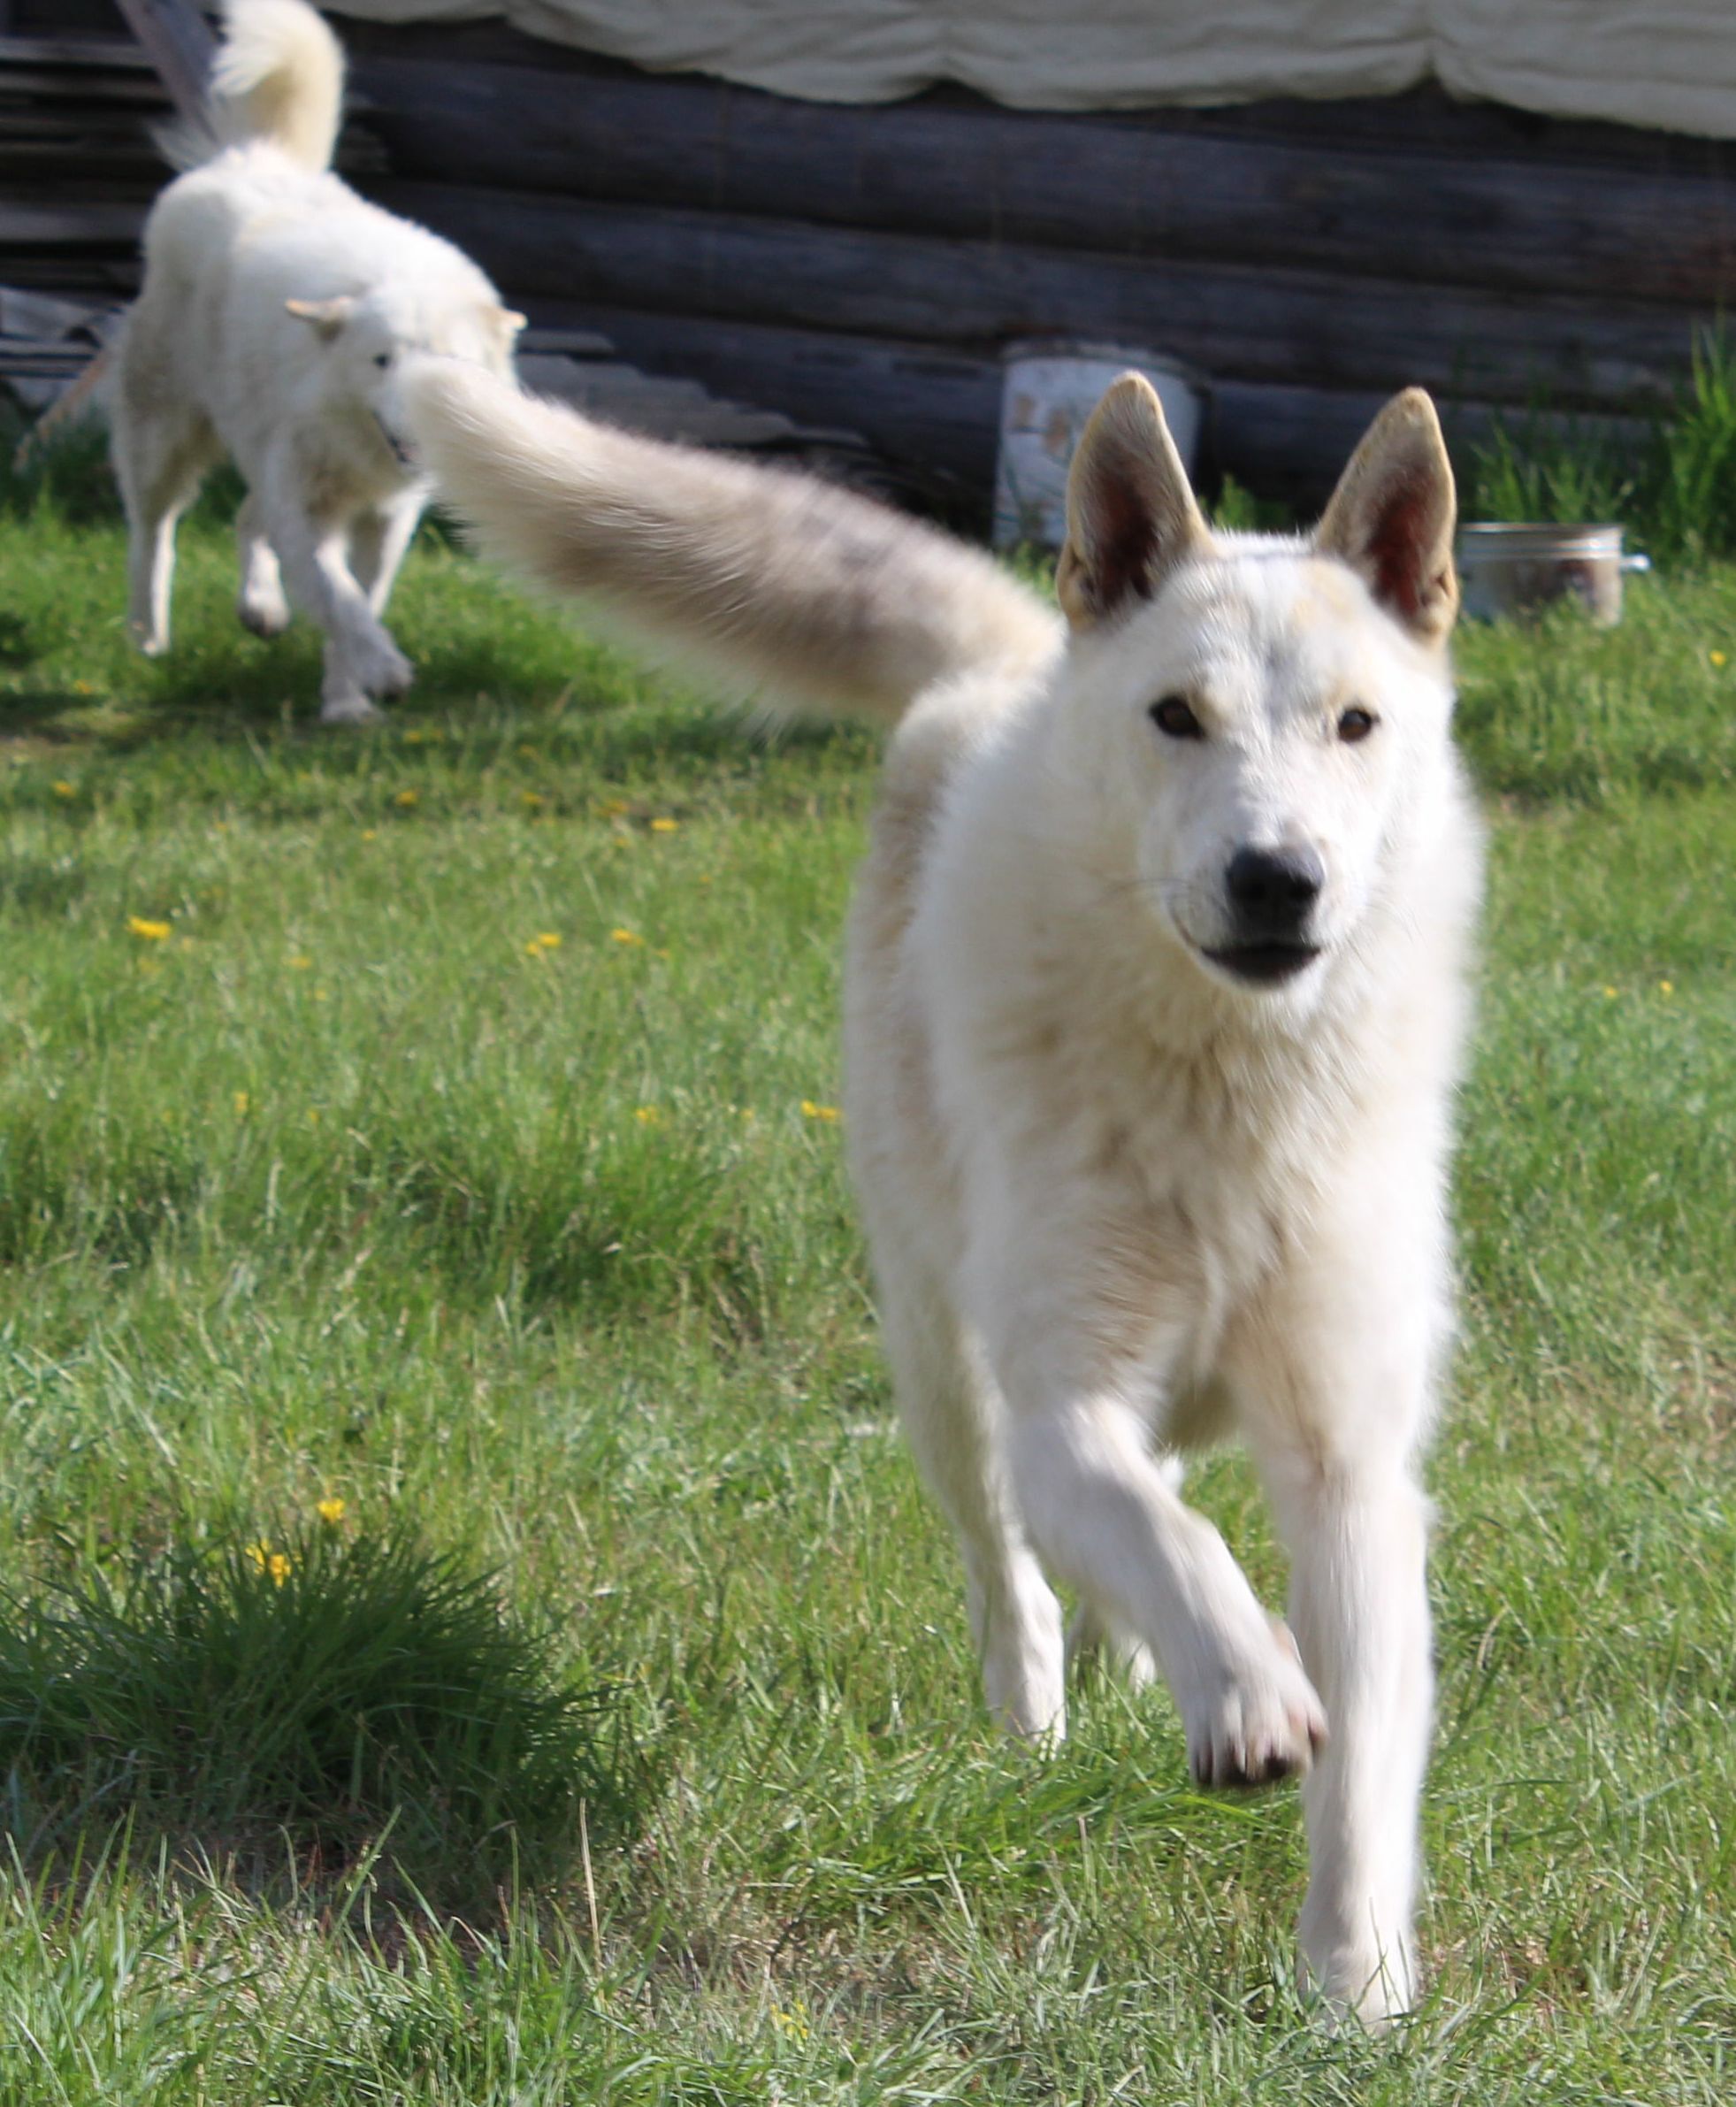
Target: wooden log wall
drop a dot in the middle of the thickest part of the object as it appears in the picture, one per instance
(862, 266)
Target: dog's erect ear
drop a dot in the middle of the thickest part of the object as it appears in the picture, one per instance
(1391, 517)
(1131, 514)
(325, 317)
(509, 321)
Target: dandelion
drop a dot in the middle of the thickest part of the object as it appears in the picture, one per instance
(1719, 658)
(322, 995)
(331, 1512)
(648, 1116)
(665, 826)
(299, 962)
(313, 1115)
(1666, 987)
(791, 2024)
(810, 1110)
(405, 798)
(371, 834)
(242, 1103)
(1610, 994)
(147, 931)
(625, 935)
(274, 1563)
(62, 788)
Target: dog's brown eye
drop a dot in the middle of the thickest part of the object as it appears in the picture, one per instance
(1174, 719)
(1355, 725)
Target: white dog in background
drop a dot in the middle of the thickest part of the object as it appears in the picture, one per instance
(276, 304)
(1155, 1002)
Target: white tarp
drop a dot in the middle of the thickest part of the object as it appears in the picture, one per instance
(1665, 63)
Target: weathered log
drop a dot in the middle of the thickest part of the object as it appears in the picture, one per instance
(1278, 327)
(1131, 186)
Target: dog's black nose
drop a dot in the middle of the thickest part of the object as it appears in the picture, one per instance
(1273, 890)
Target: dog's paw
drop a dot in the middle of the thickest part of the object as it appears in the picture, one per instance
(264, 618)
(350, 708)
(1260, 1721)
(378, 666)
(1355, 1982)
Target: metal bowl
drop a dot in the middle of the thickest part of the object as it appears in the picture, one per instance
(1516, 570)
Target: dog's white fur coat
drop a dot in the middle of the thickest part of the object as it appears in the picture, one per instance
(276, 304)
(1124, 1194)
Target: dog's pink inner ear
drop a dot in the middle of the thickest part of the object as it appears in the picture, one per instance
(1392, 517)
(1130, 512)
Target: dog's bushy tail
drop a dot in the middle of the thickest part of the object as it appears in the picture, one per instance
(805, 593)
(277, 76)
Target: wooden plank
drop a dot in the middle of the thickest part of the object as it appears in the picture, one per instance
(54, 226)
(1242, 323)
(937, 419)
(984, 173)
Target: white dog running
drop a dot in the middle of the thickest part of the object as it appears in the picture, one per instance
(276, 304)
(1154, 1009)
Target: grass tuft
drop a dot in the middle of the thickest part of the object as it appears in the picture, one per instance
(321, 1687)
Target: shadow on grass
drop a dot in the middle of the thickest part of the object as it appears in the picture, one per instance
(291, 1709)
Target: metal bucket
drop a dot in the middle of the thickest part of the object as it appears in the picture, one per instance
(1516, 570)
(1050, 388)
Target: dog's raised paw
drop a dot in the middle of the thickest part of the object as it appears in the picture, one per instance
(1263, 1723)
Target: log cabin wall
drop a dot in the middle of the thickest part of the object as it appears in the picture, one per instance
(861, 266)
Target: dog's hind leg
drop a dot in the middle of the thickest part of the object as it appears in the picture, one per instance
(161, 452)
(378, 541)
(261, 606)
(950, 1412)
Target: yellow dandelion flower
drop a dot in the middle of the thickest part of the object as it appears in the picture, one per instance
(665, 826)
(62, 788)
(148, 930)
(1666, 987)
(1610, 994)
(331, 1512)
(279, 1567)
(1719, 658)
(322, 994)
(242, 1103)
(371, 834)
(790, 2023)
(648, 1116)
(549, 940)
(260, 1554)
(405, 798)
(625, 935)
(299, 962)
(313, 1115)
(810, 1110)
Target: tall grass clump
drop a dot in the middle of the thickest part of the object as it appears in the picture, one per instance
(317, 1690)
(1672, 483)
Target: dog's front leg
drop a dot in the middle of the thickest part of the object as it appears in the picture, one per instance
(378, 541)
(361, 659)
(1335, 1381)
(1105, 1515)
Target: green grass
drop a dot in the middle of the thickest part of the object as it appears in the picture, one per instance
(342, 1190)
